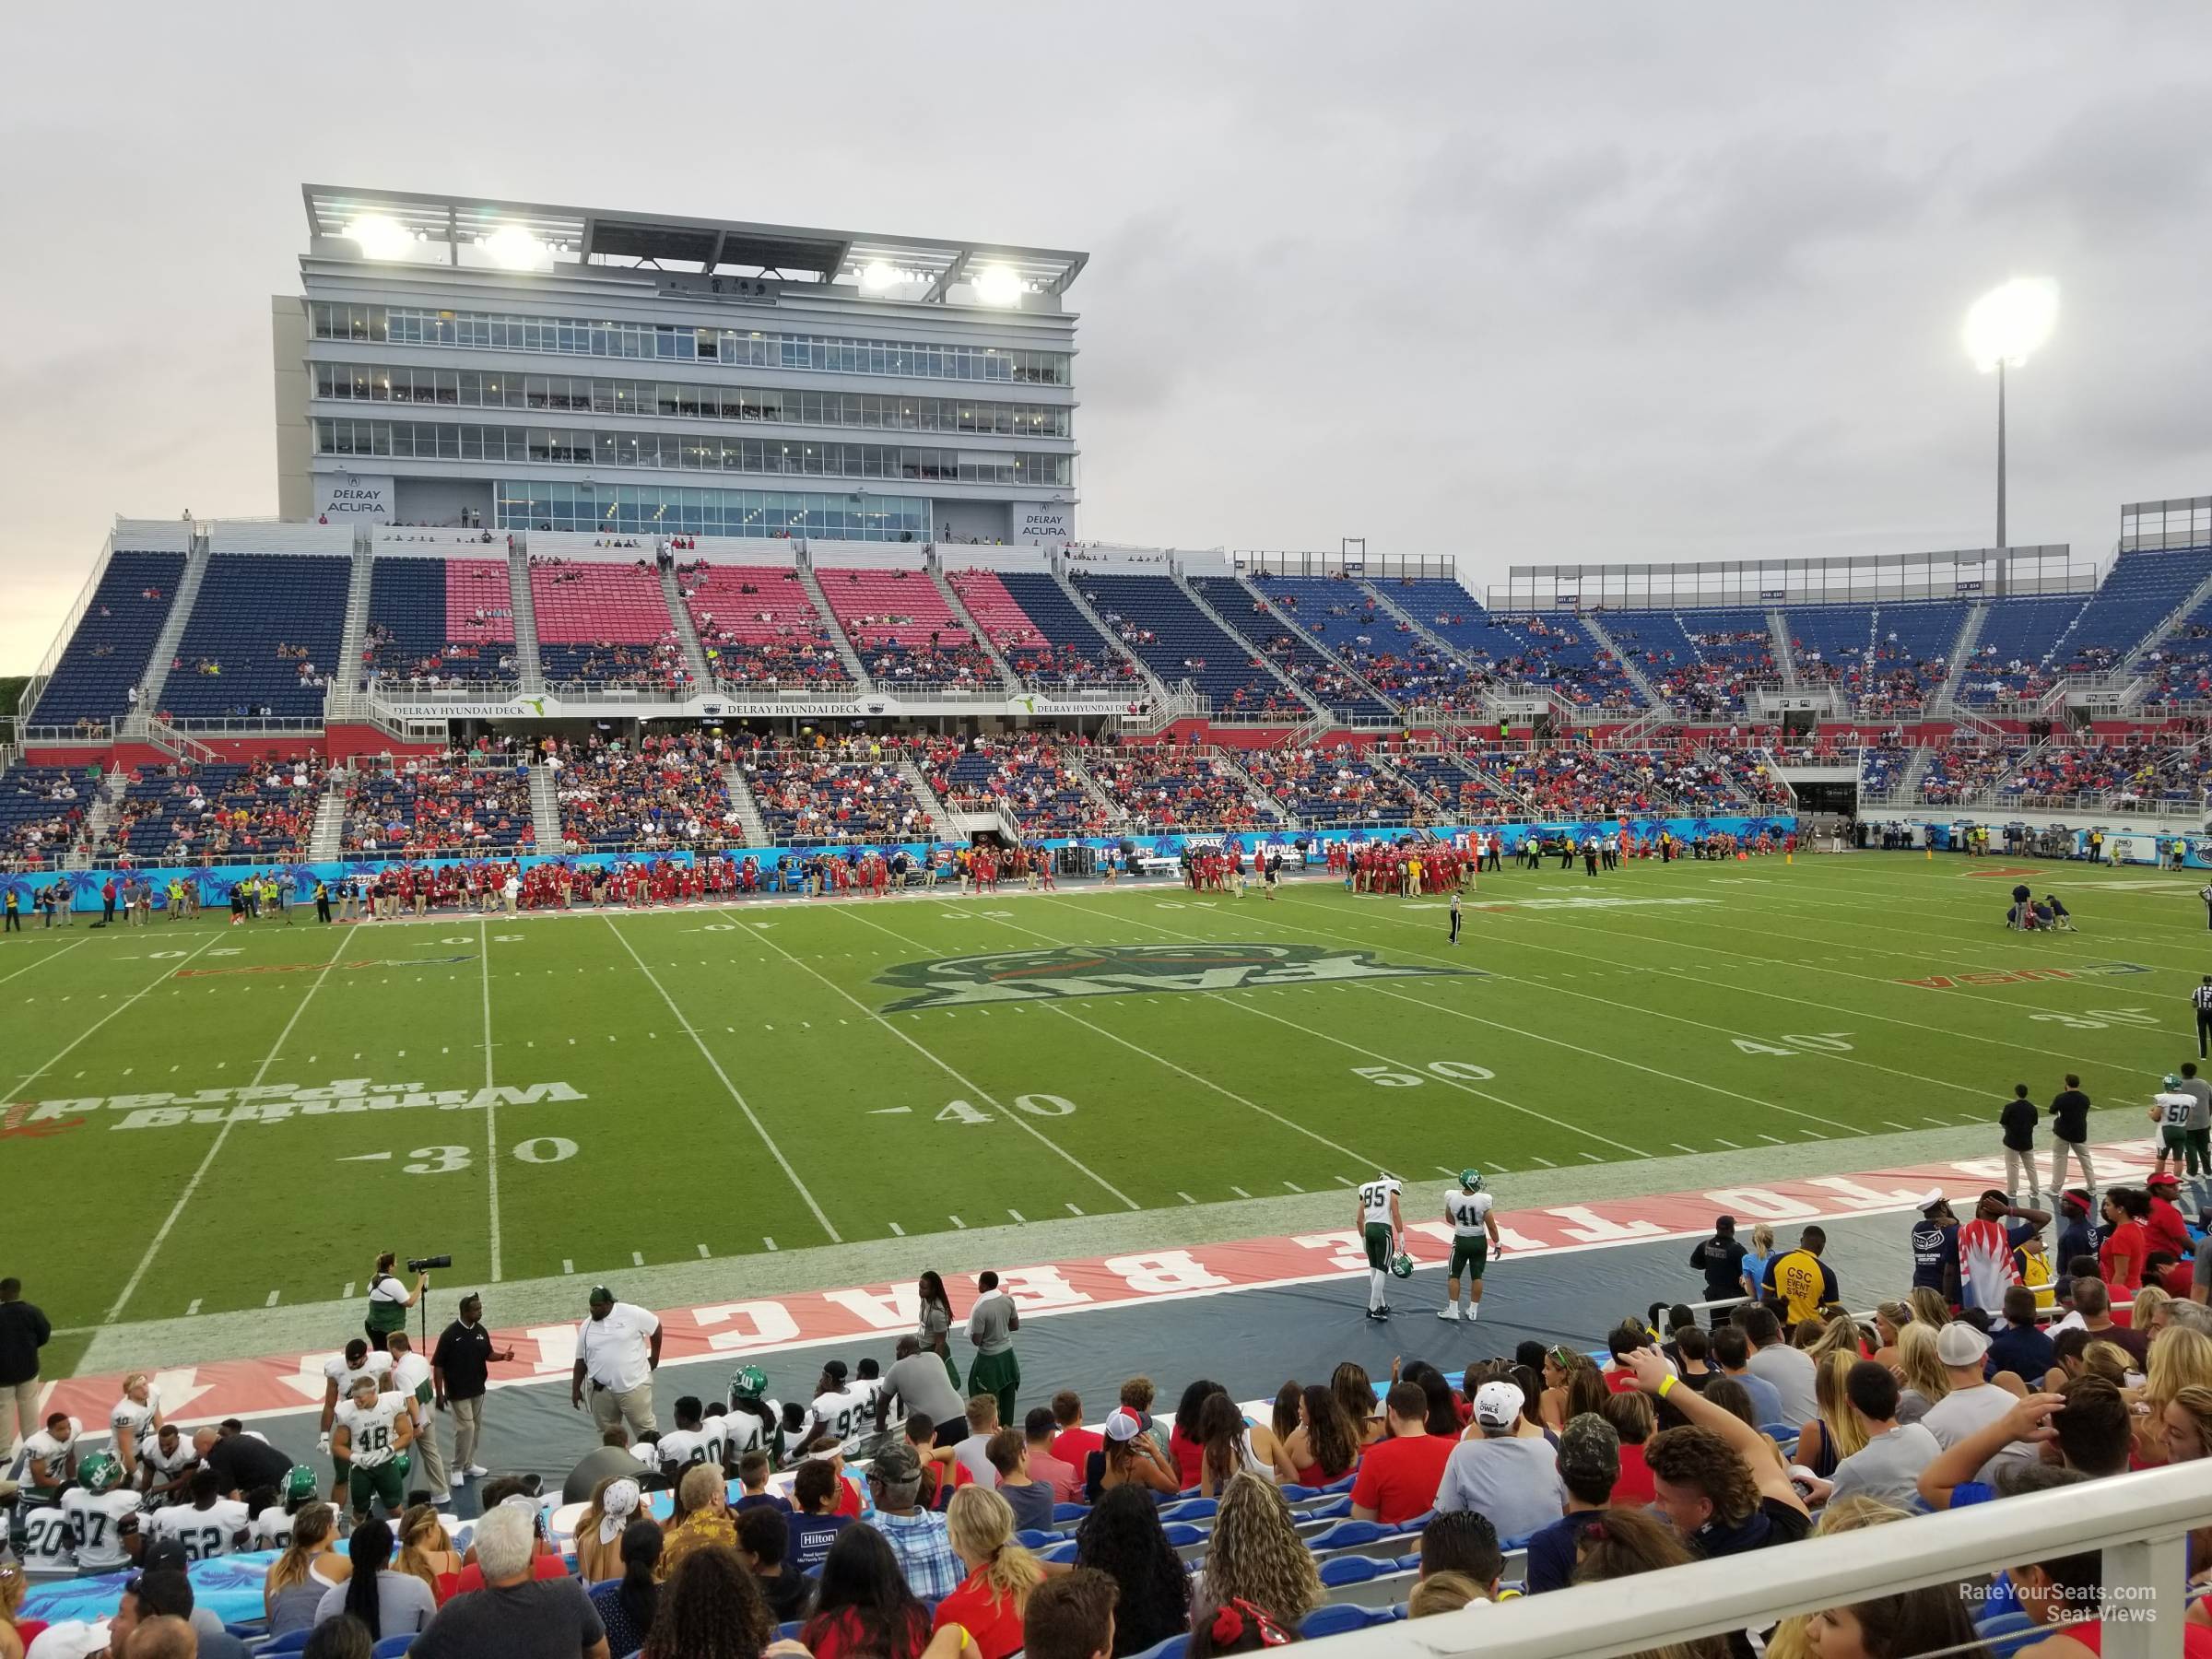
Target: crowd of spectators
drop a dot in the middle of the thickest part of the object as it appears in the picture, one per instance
(442, 805)
(1036, 779)
(1337, 786)
(654, 795)
(1169, 787)
(220, 811)
(43, 811)
(1962, 772)
(2125, 774)
(853, 790)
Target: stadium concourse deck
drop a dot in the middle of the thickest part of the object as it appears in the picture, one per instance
(1298, 1318)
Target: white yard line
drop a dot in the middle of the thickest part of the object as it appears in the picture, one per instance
(491, 1104)
(49, 957)
(945, 1067)
(169, 970)
(707, 1053)
(221, 1134)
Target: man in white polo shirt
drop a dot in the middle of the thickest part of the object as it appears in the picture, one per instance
(617, 1349)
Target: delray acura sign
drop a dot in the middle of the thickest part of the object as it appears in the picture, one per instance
(1047, 521)
(353, 495)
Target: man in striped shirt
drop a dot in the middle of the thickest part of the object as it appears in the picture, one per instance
(2201, 999)
(1986, 1265)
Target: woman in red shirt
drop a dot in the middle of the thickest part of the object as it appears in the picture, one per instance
(990, 1601)
(1325, 1447)
(864, 1606)
(1634, 1421)
(1186, 1444)
(2120, 1258)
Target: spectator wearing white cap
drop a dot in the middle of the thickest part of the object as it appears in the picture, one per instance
(1132, 1457)
(1503, 1468)
(1974, 1403)
(617, 1349)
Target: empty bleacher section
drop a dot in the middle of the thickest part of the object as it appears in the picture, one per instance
(903, 630)
(1283, 643)
(1070, 650)
(759, 625)
(835, 795)
(262, 640)
(439, 807)
(439, 622)
(1033, 779)
(2180, 665)
(1390, 654)
(604, 625)
(208, 814)
(2140, 591)
(43, 811)
(663, 793)
(2008, 661)
(1334, 787)
(1171, 788)
(107, 652)
(1157, 621)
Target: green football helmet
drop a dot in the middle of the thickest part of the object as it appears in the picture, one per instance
(300, 1486)
(1470, 1180)
(750, 1383)
(1401, 1265)
(2174, 1081)
(98, 1472)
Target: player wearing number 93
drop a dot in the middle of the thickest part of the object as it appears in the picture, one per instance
(372, 1432)
(1380, 1222)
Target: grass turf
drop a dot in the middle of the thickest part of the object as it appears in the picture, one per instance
(744, 1079)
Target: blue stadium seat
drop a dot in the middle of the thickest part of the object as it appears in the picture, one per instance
(1061, 620)
(261, 622)
(1284, 644)
(789, 1631)
(107, 651)
(1354, 1569)
(1180, 1533)
(1061, 1552)
(1070, 1512)
(1192, 1508)
(1348, 1533)
(392, 1647)
(1159, 622)
(1345, 618)
(1338, 1617)
(2008, 1632)
(291, 1641)
(1035, 1538)
(1169, 1647)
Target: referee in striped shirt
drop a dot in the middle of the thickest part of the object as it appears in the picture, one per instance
(2201, 998)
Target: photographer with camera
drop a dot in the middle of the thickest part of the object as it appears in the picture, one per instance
(389, 1299)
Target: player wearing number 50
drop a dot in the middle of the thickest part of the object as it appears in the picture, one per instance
(371, 1435)
(617, 1349)
(1380, 1221)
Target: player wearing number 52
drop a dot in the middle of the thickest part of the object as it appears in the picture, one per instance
(389, 1300)
(617, 1349)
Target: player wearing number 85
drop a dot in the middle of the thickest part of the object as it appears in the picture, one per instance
(1380, 1221)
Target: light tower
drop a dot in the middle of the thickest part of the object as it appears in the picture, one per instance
(2003, 327)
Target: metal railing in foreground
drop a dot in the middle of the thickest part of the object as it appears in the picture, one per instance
(2140, 1521)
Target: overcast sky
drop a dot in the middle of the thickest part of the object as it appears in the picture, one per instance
(1577, 281)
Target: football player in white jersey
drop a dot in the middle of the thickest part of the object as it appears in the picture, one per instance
(868, 1381)
(1381, 1221)
(372, 1431)
(273, 1526)
(49, 1461)
(755, 1421)
(1474, 1236)
(714, 1432)
(338, 1377)
(847, 1411)
(129, 1418)
(165, 1466)
(685, 1446)
(103, 1515)
(44, 1547)
(210, 1526)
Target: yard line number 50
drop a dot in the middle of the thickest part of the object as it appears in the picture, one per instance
(1390, 1076)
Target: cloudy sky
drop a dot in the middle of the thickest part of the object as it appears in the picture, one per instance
(1586, 281)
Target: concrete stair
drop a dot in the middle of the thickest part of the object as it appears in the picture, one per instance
(347, 670)
(1074, 595)
(959, 608)
(1238, 634)
(172, 630)
(326, 839)
(545, 810)
(679, 615)
(528, 666)
(1627, 665)
(846, 654)
(1114, 815)
(743, 802)
(1946, 695)
(940, 815)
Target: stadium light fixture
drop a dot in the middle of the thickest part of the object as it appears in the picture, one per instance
(997, 285)
(379, 237)
(514, 248)
(876, 277)
(2003, 329)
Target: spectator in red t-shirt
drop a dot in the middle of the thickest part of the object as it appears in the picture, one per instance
(989, 1602)
(1399, 1475)
(2121, 1257)
(1635, 1422)
(1186, 1444)
(1073, 1444)
(1045, 1466)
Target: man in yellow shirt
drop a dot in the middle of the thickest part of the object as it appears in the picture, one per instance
(1801, 1279)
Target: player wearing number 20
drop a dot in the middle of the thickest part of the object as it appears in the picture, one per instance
(1474, 1236)
(1381, 1223)
(371, 1435)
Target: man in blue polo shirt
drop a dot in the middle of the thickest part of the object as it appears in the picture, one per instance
(2087, 1421)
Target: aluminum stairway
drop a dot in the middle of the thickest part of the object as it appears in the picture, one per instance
(679, 617)
(745, 806)
(529, 667)
(346, 671)
(958, 607)
(545, 810)
(172, 630)
(846, 654)
(326, 840)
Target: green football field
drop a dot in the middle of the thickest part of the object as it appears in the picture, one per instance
(206, 1117)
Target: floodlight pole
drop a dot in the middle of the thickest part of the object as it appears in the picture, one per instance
(2000, 455)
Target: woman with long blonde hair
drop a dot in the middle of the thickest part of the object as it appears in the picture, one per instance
(2148, 1301)
(1928, 1307)
(1925, 1378)
(1827, 1440)
(2180, 1359)
(1842, 1335)
(309, 1566)
(1255, 1552)
(1890, 1318)
(989, 1602)
(424, 1548)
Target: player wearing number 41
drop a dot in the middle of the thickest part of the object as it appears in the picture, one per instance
(1381, 1222)
(1474, 1236)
